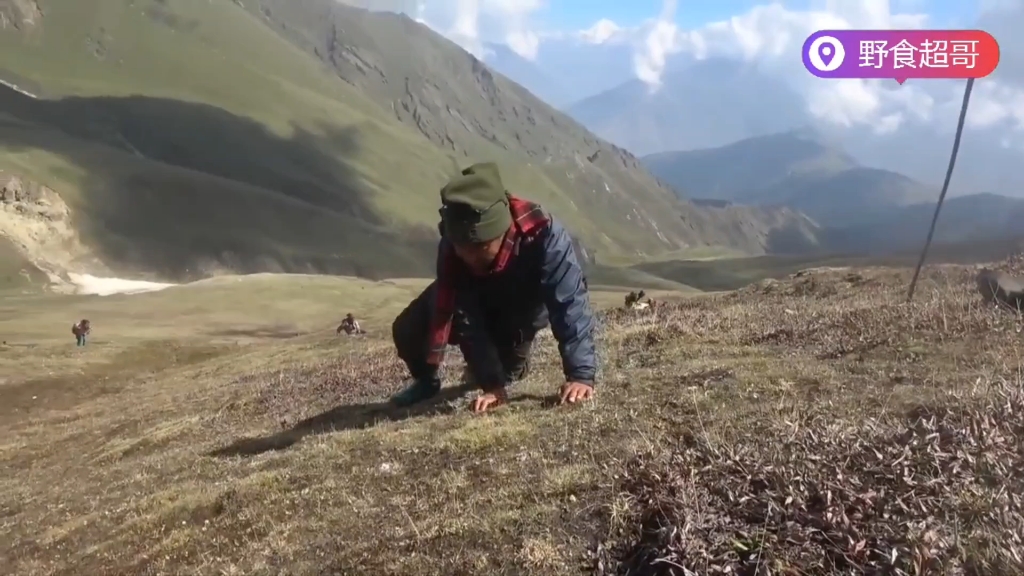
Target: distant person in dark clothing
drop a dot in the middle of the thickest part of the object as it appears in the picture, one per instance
(505, 270)
(634, 297)
(81, 330)
(349, 325)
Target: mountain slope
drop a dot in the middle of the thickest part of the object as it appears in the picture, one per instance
(851, 196)
(966, 219)
(798, 169)
(160, 176)
(458, 103)
(299, 136)
(732, 172)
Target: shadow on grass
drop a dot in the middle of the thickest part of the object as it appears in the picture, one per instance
(357, 417)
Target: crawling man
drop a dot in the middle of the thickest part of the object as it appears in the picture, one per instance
(505, 270)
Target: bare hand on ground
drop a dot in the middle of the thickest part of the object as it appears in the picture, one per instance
(573, 392)
(488, 400)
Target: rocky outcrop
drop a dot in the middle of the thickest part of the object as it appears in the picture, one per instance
(20, 14)
(38, 222)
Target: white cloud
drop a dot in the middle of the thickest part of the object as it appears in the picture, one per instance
(772, 34)
(661, 40)
(465, 27)
(602, 31)
(993, 104)
(471, 23)
(523, 42)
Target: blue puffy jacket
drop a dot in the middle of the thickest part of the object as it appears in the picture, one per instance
(543, 282)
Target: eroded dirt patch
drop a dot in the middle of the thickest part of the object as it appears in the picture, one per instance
(64, 391)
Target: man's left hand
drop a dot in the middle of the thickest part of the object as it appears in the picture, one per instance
(488, 400)
(573, 392)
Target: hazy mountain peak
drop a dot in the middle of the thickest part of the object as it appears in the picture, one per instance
(797, 168)
(675, 116)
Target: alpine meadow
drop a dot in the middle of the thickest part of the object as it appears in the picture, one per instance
(203, 189)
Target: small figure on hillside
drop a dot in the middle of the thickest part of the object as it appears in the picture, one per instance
(633, 298)
(630, 299)
(506, 269)
(81, 330)
(349, 325)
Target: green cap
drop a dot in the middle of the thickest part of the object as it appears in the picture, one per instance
(474, 205)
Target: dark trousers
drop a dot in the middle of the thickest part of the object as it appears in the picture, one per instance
(512, 338)
(80, 339)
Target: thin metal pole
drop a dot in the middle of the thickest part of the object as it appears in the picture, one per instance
(945, 187)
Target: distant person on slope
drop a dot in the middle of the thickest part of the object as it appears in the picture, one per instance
(505, 269)
(349, 325)
(81, 330)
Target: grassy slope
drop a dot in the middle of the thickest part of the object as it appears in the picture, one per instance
(627, 277)
(732, 273)
(16, 273)
(295, 142)
(130, 456)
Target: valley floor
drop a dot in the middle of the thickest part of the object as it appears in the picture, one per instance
(816, 425)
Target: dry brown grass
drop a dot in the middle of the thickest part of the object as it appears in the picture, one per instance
(815, 425)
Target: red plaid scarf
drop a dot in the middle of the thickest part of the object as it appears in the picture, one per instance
(527, 219)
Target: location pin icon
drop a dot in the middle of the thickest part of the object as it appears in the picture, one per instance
(827, 52)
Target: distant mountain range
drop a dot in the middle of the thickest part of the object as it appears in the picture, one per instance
(714, 102)
(798, 169)
(964, 220)
(859, 209)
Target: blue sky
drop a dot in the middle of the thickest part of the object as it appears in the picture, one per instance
(581, 14)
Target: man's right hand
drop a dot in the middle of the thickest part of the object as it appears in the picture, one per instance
(487, 400)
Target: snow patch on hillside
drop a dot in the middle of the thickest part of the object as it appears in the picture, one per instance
(89, 284)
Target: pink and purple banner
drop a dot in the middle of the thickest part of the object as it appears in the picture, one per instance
(900, 54)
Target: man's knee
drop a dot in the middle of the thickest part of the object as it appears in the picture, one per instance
(409, 329)
(515, 356)
(405, 330)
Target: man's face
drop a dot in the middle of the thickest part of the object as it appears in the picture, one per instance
(478, 256)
